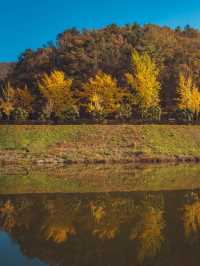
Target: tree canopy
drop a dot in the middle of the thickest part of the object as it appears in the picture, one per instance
(81, 55)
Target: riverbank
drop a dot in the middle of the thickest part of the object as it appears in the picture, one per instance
(89, 144)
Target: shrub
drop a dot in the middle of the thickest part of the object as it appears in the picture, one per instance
(19, 114)
(43, 117)
(184, 115)
(97, 116)
(153, 114)
(124, 112)
(1, 116)
(71, 113)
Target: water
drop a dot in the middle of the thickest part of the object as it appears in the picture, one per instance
(98, 178)
(101, 229)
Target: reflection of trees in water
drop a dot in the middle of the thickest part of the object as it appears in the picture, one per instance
(191, 218)
(58, 223)
(8, 216)
(109, 214)
(94, 225)
(148, 229)
(105, 228)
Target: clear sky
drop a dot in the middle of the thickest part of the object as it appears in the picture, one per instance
(32, 23)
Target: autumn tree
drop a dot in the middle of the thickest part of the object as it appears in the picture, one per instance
(56, 90)
(144, 83)
(189, 95)
(101, 96)
(16, 103)
(24, 99)
(7, 101)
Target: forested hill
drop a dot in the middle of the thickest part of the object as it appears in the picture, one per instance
(5, 68)
(80, 54)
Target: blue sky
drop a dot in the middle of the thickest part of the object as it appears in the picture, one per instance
(32, 23)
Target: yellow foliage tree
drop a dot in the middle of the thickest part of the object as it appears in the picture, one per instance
(15, 98)
(189, 95)
(7, 102)
(144, 82)
(56, 89)
(24, 99)
(102, 96)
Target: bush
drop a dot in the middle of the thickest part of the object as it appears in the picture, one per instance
(124, 112)
(43, 117)
(97, 114)
(184, 115)
(98, 117)
(1, 116)
(152, 114)
(71, 113)
(19, 114)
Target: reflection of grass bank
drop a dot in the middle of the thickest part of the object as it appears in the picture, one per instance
(101, 178)
(99, 143)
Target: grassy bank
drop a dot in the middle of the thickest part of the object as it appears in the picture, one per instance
(98, 143)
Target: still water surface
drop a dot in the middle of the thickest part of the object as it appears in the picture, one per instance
(102, 229)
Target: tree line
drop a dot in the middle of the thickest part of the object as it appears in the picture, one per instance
(121, 73)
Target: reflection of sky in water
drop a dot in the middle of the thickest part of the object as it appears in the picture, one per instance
(10, 254)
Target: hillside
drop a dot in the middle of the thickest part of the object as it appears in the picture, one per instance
(5, 68)
(80, 54)
(127, 73)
